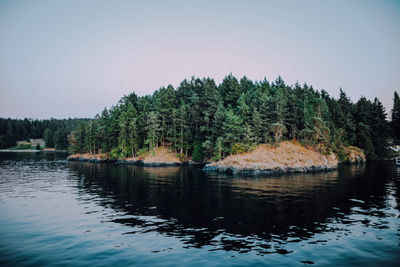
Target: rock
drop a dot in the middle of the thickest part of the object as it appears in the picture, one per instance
(273, 171)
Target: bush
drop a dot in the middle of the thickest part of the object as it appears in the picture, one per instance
(25, 145)
(238, 148)
(115, 154)
(181, 156)
(38, 147)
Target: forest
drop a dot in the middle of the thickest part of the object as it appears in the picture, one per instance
(53, 131)
(204, 120)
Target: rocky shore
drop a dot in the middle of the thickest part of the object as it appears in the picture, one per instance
(287, 158)
(160, 158)
(268, 171)
(353, 155)
(95, 159)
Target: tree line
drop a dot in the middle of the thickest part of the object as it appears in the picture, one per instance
(53, 131)
(208, 121)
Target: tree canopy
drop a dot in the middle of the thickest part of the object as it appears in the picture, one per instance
(211, 121)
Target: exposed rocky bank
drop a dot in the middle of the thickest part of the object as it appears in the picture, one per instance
(159, 157)
(288, 157)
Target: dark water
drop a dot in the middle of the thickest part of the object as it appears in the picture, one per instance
(53, 212)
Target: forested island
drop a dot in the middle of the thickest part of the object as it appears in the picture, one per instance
(204, 121)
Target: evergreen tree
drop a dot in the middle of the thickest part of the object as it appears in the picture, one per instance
(396, 117)
(257, 126)
(183, 130)
(230, 90)
(153, 130)
(233, 130)
(48, 137)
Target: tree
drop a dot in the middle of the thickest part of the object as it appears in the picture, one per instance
(278, 129)
(153, 130)
(233, 130)
(230, 90)
(60, 140)
(133, 136)
(257, 126)
(249, 138)
(183, 132)
(48, 137)
(396, 117)
(197, 154)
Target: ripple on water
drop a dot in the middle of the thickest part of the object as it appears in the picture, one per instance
(69, 213)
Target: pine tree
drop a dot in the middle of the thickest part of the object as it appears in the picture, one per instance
(396, 117)
(48, 137)
(233, 130)
(230, 90)
(183, 133)
(153, 130)
(257, 126)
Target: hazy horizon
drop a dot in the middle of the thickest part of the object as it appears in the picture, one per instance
(73, 58)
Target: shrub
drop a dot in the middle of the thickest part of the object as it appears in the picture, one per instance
(238, 148)
(115, 154)
(24, 145)
(181, 156)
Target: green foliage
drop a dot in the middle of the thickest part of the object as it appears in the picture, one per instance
(23, 145)
(38, 147)
(197, 154)
(278, 129)
(142, 152)
(395, 123)
(182, 157)
(48, 137)
(307, 136)
(115, 153)
(238, 148)
(153, 130)
(218, 149)
(210, 121)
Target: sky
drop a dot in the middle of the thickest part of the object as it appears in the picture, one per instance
(73, 58)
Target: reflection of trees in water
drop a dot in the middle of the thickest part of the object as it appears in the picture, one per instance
(232, 213)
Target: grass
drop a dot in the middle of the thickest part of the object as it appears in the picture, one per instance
(23, 146)
(158, 154)
(287, 154)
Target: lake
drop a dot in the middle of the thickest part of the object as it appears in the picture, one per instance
(54, 212)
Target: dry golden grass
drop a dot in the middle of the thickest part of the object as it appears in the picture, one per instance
(288, 154)
(161, 154)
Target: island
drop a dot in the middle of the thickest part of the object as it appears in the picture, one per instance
(239, 126)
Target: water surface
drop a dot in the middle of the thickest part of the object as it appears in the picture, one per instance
(54, 212)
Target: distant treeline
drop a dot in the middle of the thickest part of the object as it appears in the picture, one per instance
(206, 120)
(53, 131)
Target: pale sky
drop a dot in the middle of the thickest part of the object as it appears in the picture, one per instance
(73, 58)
